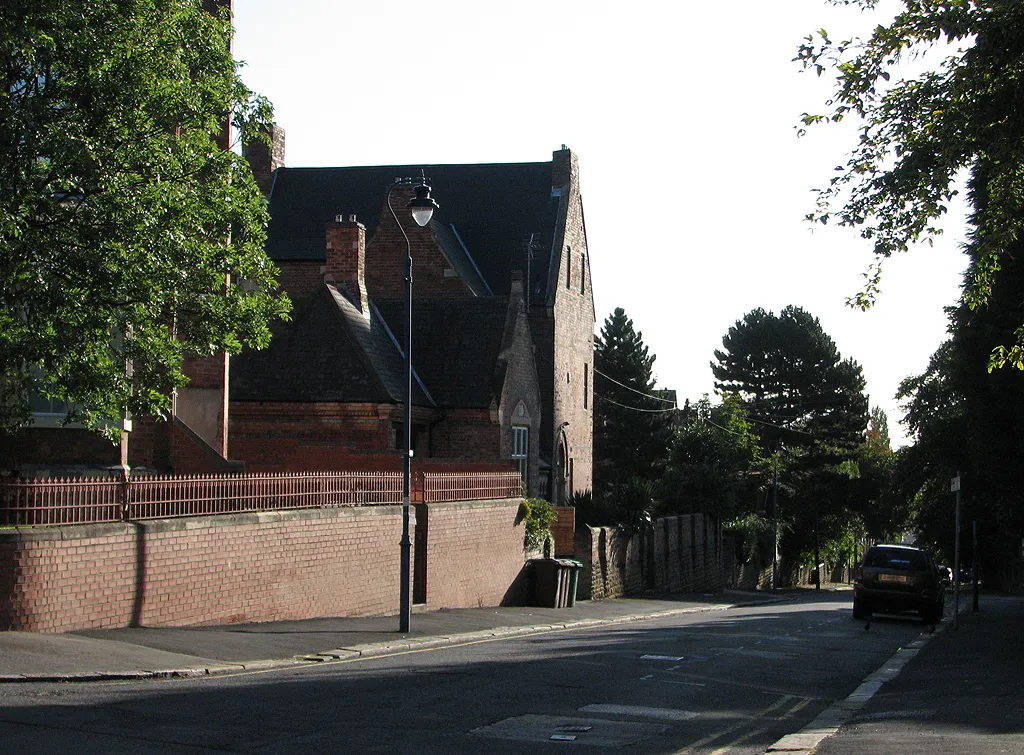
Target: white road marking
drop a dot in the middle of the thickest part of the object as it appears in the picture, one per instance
(661, 714)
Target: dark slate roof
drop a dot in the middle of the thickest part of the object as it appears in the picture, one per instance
(493, 208)
(456, 348)
(329, 351)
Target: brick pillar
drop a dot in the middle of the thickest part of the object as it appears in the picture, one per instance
(346, 258)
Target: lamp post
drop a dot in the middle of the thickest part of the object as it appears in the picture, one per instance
(422, 208)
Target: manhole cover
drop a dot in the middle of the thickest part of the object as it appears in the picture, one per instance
(586, 731)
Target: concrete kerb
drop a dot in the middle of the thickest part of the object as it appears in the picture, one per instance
(370, 650)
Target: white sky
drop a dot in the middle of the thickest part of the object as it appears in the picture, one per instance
(694, 182)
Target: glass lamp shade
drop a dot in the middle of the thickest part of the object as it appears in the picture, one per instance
(422, 205)
(422, 215)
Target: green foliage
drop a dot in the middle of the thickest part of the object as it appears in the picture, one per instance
(590, 509)
(538, 517)
(918, 135)
(883, 513)
(631, 426)
(714, 461)
(633, 504)
(628, 506)
(793, 384)
(755, 537)
(122, 216)
(810, 411)
(965, 418)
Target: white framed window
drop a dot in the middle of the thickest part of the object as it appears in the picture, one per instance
(521, 452)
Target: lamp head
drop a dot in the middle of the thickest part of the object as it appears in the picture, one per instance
(422, 205)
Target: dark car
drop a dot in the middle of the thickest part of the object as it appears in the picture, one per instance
(896, 579)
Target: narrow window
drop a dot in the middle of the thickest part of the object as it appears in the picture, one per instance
(568, 267)
(521, 452)
(583, 273)
(586, 385)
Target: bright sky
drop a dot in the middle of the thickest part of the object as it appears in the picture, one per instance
(694, 182)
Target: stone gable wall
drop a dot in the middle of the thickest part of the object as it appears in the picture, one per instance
(572, 333)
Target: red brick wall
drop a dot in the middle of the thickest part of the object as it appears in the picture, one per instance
(474, 554)
(283, 436)
(189, 454)
(251, 567)
(386, 257)
(467, 434)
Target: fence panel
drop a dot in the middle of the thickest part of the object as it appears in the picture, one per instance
(165, 496)
(27, 503)
(441, 487)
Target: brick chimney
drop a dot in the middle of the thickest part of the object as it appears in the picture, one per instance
(346, 259)
(516, 285)
(564, 168)
(264, 161)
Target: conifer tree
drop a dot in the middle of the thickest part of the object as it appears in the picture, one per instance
(632, 426)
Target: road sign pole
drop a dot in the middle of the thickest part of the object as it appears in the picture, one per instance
(955, 486)
(974, 560)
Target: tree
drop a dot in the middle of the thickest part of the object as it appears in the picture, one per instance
(127, 223)
(714, 462)
(631, 425)
(810, 411)
(881, 509)
(919, 133)
(794, 385)
(966, 419)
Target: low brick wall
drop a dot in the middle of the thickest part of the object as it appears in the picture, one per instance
(252, 567)
(475, 555)
(677, 554)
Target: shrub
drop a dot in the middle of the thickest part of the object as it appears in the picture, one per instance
(538, 516)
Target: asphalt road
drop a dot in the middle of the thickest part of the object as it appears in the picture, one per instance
(728, 681)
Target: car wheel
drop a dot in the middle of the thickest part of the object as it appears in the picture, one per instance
(860, 611)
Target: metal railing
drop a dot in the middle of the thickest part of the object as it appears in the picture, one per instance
(441, 487)
(87, 501)
(60, 501)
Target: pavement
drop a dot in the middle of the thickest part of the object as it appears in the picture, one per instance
(161, 652)
(959, 689)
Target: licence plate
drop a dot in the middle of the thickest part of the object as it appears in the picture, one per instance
(899, 579)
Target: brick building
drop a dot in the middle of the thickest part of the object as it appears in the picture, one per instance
(329, 391)
(509, 233)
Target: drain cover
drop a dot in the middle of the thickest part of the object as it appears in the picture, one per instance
(586, 731)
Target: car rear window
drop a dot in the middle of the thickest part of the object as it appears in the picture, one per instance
(892, 558)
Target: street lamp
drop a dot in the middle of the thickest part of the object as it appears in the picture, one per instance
(422, 207)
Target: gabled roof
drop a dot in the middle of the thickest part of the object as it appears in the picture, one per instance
(457, 345)
(329, 351)
(491, 209)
